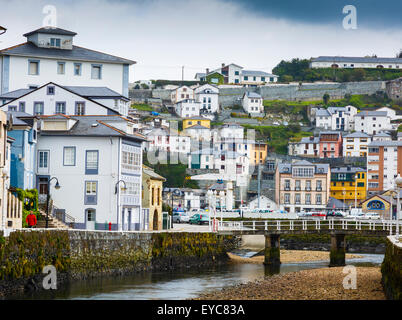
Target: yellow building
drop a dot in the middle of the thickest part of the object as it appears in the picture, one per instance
(152, 185)
(193, 121)
(259, 153)
(349, 184)
(381, 204)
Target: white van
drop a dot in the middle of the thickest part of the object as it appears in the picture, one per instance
(355, 213)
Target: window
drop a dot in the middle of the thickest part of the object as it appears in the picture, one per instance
(262, 78)
(319, 185)
(38, 108)
(55, 42)
(287, 198)
(61, 107)
(43, 159)
(308, 198)
(96, 72)
(77, 69)
(91, 162)
(12, 108)
(245, 77)
(69, 156)
(91, 192)
(50, 90)
(80, 108)
(297, 198)
(318, 198)
(33, 67)
(61, 67)
(22, 107)
(131, 161)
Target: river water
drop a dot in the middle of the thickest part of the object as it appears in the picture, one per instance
(179, 285)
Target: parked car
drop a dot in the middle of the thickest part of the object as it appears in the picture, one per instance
(199, 218)
(335, 214)
(318, 214)
(372, 215)
(180, 217)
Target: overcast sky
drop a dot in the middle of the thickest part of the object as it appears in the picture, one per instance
(163, 35)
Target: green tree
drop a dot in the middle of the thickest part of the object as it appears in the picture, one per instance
(358, 74)
(326, 98)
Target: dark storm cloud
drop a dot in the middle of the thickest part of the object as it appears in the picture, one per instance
(384, 13)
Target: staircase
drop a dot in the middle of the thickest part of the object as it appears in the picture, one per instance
(53, 222)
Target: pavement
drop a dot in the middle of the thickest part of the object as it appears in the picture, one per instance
(185, 227)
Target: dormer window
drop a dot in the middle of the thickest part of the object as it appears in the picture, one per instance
(55, 42)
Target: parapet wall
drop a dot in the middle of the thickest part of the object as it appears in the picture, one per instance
(391, 269)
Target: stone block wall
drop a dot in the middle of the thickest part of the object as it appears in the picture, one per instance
(391, 270)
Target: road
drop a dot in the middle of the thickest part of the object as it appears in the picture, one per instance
(190, 227)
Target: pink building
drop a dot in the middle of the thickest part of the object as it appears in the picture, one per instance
(330, 144)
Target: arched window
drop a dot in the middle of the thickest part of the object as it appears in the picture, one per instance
(334, 66)
(376, 205)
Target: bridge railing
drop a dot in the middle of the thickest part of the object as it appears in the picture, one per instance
(310, 224)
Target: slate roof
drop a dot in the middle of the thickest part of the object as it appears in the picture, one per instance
(356, 59)
(336, 204)
(382, 134)
(307, 140)
(51, 30)
(95, 92)
(91, 126)
(77, 53)
(322, 113)
(198, 126)
(357, 135)
(253, 95)
(148, 171)
(345, 170)
(392, 143)
(18, 118)
(372, 113)
(253, 73)
(15, 94)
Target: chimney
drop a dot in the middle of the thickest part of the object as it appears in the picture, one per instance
(207, 71)
(223, 65)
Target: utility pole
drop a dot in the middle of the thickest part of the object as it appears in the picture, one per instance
(259, 176)
(182, 75)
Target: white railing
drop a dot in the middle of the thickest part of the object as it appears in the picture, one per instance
(310, 224)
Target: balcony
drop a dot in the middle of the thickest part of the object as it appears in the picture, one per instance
(287, 188)
(318, 189)
(297, 188)
(308, 188)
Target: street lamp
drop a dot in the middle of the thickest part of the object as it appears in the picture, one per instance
(2, 30)
(398, 184)
(57, 187)
(355, 191)
(117, 184)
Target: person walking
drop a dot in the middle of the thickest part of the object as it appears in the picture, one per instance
(31, 220)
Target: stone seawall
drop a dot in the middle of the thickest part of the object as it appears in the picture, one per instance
(391, 270)
(80, 254)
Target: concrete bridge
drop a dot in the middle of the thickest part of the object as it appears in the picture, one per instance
(336, 228)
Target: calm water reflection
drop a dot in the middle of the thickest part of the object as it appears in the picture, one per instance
(177, 285)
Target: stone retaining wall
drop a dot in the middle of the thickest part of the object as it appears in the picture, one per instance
(391, 270)
(79, 254)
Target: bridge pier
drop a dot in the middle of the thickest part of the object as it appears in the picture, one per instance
(338, 250)
(272, 250)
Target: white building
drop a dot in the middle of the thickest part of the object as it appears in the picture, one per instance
(356, 144)
(166, 140)
(187, 108)
(307, 147)
(208, 96)
(252, 103)
(50, 55)
(230, 130)
(251, 77)
(93, 159)
(181, 93)
(199, 132)
(356, 62)
(265, 203)
(371, 122)
(52, 98)
(234, 74)
(193, 198)
(335, 118)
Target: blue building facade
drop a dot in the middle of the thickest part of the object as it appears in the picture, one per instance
(23, 149)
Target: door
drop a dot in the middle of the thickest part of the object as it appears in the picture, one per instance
(43, 190)
(129, 220)
(91, 219)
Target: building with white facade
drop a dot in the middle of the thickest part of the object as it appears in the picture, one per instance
(252, 103)
(208, 96)
(199, 132)
(52, 98)
(356, 62)
(49, 55)
(372, 122)
(167, 140)
(98, 165)
(187, 108)
(356, 144)
(335, 118)
(306, 147)
(262, 203)
(229, 130)
(252, 77)
(181, 93)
